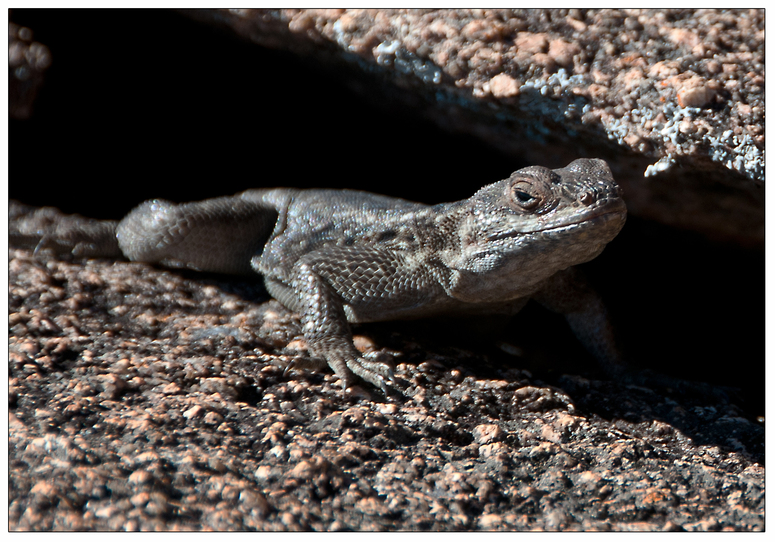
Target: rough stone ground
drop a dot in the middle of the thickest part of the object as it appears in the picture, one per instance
(146, 399)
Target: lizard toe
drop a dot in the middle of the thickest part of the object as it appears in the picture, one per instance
(304, 363)
(373, 372)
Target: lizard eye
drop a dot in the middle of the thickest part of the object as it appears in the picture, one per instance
(525, 196)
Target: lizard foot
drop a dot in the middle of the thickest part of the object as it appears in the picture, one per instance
(374, 372)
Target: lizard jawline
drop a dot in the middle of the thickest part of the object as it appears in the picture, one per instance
(592, 218)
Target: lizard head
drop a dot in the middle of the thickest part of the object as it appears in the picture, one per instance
(523, 229)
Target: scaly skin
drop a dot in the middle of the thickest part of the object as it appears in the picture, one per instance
(339, 256)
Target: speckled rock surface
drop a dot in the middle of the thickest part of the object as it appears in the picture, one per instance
(144, 399)
(27, 62)
(674, 99)
(147, 399)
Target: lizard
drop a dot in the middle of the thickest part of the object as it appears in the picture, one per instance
(338, 257)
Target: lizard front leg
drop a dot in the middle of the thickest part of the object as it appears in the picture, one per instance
(569, 294)
(328, 334)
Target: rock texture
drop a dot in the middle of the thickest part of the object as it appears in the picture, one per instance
(27, 62)
(143, 399)
(674, 99)
(148, 399)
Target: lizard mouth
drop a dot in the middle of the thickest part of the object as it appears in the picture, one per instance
(592, 217)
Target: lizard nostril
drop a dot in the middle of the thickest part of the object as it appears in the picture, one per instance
(587, 198)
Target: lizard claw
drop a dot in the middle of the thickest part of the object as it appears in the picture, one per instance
(374, 372)
(303, 362)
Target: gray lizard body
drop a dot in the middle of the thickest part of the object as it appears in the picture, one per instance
(339, 256)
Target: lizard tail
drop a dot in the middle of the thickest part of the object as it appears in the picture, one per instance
(45, 227)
